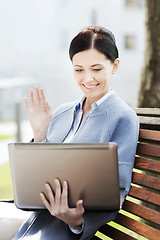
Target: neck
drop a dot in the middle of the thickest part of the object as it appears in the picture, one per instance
(87, 104)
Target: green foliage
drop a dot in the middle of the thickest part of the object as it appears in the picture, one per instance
(5, 182)
(5, 176)
(3, 137)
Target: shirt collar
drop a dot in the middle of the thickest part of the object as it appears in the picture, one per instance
(80, 103)
(102, 99)
(94, 105)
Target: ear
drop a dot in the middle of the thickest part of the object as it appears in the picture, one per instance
(115, 65)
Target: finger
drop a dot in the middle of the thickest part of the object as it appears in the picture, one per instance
(57, 206)
(58, 192)
(42, 96)
(43, 99)
(79, 206)
(26, 104)
(31, 97)
(64, 198)
(37, 97)
(50, 194)
(45, 201)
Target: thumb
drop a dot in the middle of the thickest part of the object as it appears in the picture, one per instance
(79, 205)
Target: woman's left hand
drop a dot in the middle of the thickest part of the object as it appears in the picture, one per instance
(58, 205)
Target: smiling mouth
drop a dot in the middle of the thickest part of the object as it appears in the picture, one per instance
(90, 87)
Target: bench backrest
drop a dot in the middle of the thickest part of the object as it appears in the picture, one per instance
(140, 215)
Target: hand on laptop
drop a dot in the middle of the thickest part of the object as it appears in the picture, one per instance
(39, 114)
(58, 205)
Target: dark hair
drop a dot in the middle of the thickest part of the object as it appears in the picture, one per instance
(98, 38)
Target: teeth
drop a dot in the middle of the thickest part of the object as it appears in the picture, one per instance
(90, 86)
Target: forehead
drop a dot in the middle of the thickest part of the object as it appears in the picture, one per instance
(89, 57)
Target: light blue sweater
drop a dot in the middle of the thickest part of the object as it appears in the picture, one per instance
(111, 121)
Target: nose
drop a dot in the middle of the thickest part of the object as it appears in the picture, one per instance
(89, 77)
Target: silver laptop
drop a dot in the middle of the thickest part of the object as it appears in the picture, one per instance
(91, 171)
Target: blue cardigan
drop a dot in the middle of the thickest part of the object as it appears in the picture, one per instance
(111, 121)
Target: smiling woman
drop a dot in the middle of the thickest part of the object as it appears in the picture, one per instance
(93, 72)
(100, 116)
(94, 55)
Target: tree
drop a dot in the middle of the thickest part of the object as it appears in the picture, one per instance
(149, 94)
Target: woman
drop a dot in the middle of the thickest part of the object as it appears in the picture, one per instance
(100, 116)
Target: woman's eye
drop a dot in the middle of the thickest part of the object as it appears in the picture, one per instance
(97, 69)
(78, 70)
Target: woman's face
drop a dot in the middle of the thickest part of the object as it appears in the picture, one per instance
(92, 72)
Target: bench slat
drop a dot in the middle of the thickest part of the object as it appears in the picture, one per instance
(149, 134)
(142, 211)
(114, 233)
(149, 120)
(147, 111)
(148, 149)
(146, 180)
(147, 164)
(138, 227)
(145, 195)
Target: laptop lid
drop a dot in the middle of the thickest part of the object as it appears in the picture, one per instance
(91, 171)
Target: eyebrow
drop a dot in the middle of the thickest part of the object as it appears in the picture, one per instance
(77, 65)
(97, 64)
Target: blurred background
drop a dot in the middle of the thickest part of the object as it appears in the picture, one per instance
(35, 36)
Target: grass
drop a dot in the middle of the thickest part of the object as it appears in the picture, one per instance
(5, 182)
(3, 137)
(5, 175)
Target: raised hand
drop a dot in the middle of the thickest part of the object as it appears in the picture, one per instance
(39, 114)
(57, 204)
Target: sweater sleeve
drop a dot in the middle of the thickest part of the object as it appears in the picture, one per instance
(125, 134)
(92, 221)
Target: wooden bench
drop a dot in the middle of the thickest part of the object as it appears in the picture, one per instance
(140, 214)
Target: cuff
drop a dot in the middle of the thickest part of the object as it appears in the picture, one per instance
(44, 141)
(77, 229)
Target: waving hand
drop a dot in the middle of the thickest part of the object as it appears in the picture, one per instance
(39, 114)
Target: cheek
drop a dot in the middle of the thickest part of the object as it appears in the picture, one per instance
(103, 77)
(77, 78)
(107, 75)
